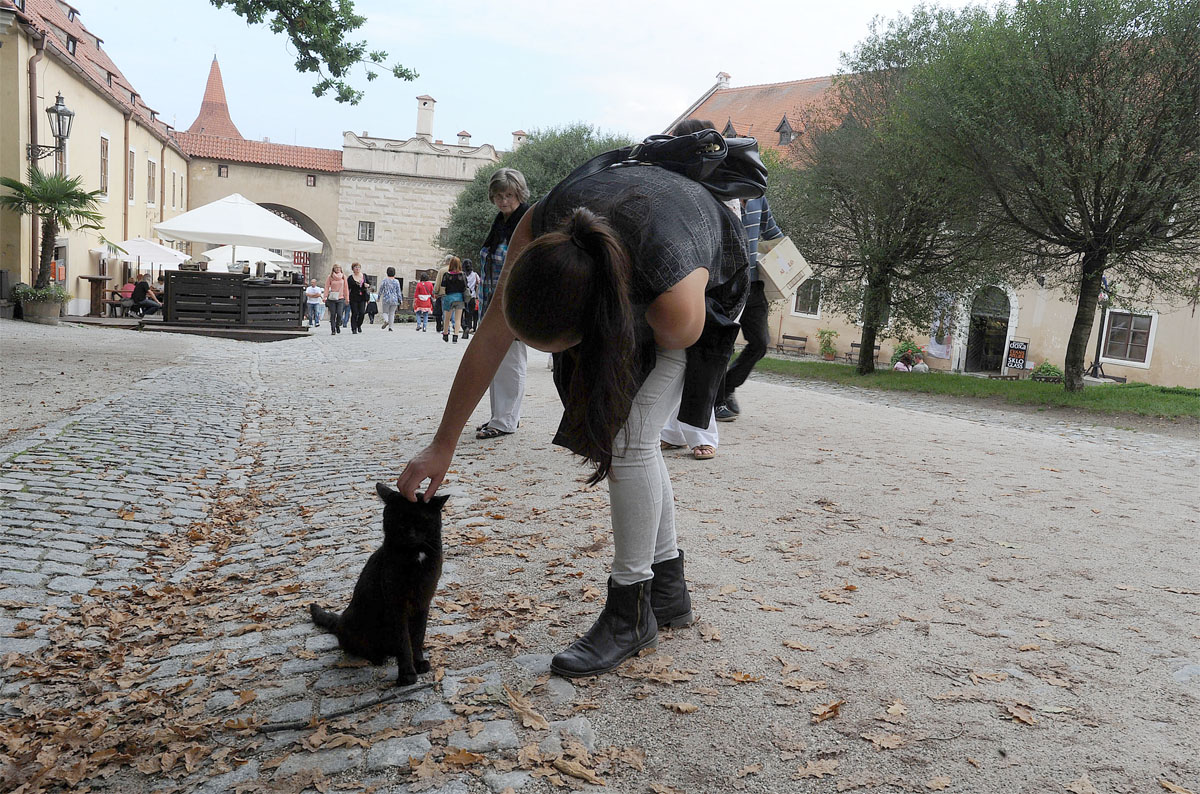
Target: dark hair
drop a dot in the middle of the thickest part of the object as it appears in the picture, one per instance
(468, 265)
(907, 359)
(391, 271)
(688, 126)
(575, 282)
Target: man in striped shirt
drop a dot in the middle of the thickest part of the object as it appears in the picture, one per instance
(756, 217)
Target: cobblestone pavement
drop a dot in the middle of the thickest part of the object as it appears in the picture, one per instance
(159, 548)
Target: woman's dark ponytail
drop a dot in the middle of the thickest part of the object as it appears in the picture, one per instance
(583, 271)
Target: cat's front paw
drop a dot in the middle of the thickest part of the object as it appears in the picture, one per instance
(421, 666)
(406, 679)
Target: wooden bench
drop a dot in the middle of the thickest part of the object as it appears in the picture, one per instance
(1004, 377)
(855, 347)
(791, 344)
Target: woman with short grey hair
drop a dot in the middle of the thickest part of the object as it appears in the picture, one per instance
(508, 191)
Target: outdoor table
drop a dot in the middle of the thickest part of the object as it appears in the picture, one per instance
(97, 294)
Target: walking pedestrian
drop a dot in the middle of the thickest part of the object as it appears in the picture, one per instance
(471, 310)
(452, 287)
(335, 298)
(423, 301)
(372, 306)
(759, 224)
(510, 195)
(624, 274)
(360, 293)
(389, 298)
(314, 295)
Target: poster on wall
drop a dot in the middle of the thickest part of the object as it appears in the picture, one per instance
(939, 337)
(1018, 354)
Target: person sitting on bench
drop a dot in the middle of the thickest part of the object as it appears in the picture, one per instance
(145, 301)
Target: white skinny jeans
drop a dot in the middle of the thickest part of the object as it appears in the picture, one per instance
(508, 389)
(639, 488)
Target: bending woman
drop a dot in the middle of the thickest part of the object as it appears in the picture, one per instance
(626, 275)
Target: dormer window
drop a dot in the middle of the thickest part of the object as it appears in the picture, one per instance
(109, 77)
(786, 133)
(72, 42)
(729, 131)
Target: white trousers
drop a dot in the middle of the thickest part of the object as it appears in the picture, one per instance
(639, 488)
(690, 436)
(508, 389)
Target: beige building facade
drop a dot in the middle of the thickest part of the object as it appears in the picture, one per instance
(117, 143)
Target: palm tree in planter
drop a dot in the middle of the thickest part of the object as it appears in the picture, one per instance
(62, 205)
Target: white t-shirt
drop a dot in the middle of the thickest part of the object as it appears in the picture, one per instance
(473, 284)
(314, 294)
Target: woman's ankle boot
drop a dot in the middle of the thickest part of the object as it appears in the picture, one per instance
(669, 594)
(625, 627)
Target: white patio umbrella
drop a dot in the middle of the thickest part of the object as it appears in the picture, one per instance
(237, 221)
(245, 253)
(141, 251)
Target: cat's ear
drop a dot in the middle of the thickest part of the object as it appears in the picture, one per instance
(386, 493)
(438, 501)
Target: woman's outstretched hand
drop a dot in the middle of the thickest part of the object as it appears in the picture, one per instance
(430, 464)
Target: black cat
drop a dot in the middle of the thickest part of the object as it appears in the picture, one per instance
(390, 605)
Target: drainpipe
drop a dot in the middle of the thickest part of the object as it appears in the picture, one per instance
(125, 181)
(33, 139)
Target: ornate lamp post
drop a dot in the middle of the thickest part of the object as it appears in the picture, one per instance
(61, 118)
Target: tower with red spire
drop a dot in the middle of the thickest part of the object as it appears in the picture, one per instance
(214, 110)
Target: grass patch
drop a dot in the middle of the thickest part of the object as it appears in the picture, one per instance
(1140, 399)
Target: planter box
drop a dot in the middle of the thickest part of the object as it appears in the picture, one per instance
(41, 312)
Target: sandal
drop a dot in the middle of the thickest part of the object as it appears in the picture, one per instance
(491, 432)
(665, 445)
(704, 452)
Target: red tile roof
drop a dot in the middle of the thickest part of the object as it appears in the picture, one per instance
(53, 20)
(239, 150)
(214, 110)
(758, 110)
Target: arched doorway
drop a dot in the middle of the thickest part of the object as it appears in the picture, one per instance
(317, 266)
(990, 314)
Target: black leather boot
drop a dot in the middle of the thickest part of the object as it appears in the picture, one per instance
(625, 627)
(669, 594)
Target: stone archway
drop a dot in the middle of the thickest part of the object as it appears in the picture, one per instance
(988, 331)
(318, 262)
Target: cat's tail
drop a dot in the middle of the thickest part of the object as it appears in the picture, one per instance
(324, 618)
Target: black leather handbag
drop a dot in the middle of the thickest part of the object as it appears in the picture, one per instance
(730, 168)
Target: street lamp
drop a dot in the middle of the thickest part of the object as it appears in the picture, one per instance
(61, 118)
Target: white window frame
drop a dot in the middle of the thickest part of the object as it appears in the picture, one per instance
(821, 300)
(131, 177)
(103, 197)
(1124, 362)
(152, 169)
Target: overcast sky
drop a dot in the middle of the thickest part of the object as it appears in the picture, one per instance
(623, 66)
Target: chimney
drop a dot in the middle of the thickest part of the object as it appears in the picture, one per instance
(464, 138)
(425, 105)
(723, 79)
(519, 138)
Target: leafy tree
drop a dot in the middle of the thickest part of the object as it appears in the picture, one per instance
(546, 157)
(59, 202)
(318, 30)
(1082, 119)
(892, 232)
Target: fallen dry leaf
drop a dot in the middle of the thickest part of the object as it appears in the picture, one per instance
(1172, 787)
(803, 684)
(577, 770)
(1082, 786)
(681, 708)
(752, 769)
(825, 711)
(796, 645)
(524, 709)
(897, 709)
(709, 632)
(833, 597)
(1020, 714)
(818, 769)
(938, 783)
(885, 741)
(460, 757)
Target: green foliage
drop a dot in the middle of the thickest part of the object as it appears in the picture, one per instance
(906, 346)
(318, 30)
(23, 293)
(1046, 370)
(1131, 398)
(827, 335)
(546, 157)
(59, 202)
(1082, 118)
